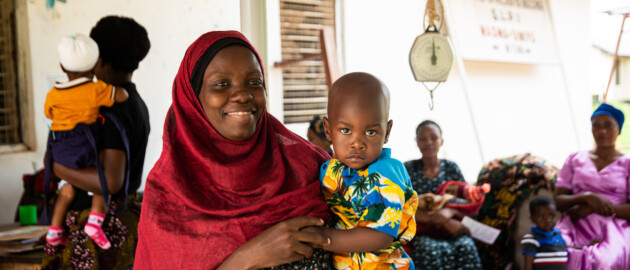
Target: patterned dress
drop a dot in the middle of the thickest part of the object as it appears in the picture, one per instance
(431, 253)
(81, 253)
(320, 260)
(378, 197)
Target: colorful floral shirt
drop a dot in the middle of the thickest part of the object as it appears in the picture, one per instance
(378, 197)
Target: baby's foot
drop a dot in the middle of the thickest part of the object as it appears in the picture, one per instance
(95, 231)
(55, 236)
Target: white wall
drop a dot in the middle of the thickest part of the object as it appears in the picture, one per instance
(517, 108)
(172, 26)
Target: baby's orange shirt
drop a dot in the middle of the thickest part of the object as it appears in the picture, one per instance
(77, 101)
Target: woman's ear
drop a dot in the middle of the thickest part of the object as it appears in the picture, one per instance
(390, 123)
(327, 129)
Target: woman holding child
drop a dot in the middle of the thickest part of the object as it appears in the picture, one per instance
(593, 189)
(233, 186)
(122, 44)
(452, 248)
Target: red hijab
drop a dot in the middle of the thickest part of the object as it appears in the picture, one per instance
(206, 195)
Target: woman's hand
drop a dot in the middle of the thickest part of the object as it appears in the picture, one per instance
(280, 244)
(455, 228)
(598, 204)
(439, 217)
(579, 211)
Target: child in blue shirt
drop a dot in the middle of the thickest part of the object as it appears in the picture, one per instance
(368, 191)
(544, 248)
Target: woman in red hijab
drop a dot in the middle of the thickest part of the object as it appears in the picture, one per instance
(233, 186)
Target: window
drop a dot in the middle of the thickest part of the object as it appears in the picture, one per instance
(9, 111)
(304, 82)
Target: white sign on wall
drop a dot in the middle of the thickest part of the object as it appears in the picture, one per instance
(518, 31)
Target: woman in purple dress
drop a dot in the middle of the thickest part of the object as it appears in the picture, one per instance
(593, 189)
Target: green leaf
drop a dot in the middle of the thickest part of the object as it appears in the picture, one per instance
(374, 212)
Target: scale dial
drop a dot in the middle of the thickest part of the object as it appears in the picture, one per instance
(431, 57)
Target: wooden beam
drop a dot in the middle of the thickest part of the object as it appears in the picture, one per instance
(329, 53)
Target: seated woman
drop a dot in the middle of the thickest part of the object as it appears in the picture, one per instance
(457, 250)
(233, 186)
(593, 188)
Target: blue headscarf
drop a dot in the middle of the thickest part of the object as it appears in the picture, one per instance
(610, 111)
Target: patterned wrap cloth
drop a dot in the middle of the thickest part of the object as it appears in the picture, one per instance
(513, 180)
(80, 251)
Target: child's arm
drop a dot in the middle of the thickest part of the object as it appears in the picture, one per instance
(121, 94)
(529, 247)
(359, 239)
(528, 261)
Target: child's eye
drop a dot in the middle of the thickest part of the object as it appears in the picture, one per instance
(370, 132)
(345, 131)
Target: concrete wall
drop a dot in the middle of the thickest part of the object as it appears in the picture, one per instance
(172, 26)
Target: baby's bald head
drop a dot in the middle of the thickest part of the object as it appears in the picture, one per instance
(359, 87)
(357, 122)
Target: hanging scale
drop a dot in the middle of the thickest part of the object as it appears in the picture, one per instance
(431, 56)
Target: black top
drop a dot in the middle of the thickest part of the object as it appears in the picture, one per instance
(134, 116)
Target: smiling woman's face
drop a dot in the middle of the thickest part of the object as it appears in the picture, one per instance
(232, 94)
